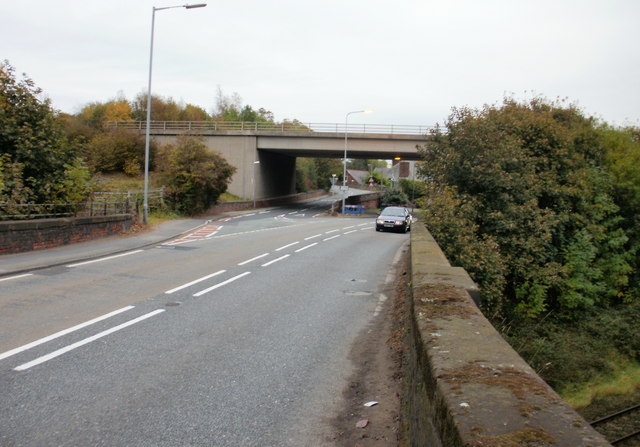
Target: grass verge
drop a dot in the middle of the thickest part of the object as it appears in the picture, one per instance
(625, 379)
(228, 197)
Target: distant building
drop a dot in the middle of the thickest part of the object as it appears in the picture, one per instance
(357, 177)
(399, 169)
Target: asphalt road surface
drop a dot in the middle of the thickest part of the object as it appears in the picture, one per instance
(237, 335)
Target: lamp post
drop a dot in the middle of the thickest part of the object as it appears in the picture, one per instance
(344, 168)
(145, 206)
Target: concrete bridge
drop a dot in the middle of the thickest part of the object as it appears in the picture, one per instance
(264, 154)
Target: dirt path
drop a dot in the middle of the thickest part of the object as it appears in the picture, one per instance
(378, 356)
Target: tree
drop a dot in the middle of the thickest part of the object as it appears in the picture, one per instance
(326, 168)
(117, 150)
(194, 176)
(534, 175)
(366, 165)
(414, 189)
(622, 158)
(230, 108)
(76, 129)
(97, 114)
(191, 112)
(306, 174)
(162, 109)
(37, 159)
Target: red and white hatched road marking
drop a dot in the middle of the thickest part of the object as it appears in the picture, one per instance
(202, 233)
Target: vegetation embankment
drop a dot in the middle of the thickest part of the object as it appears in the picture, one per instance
(53, 158)
(56, 158)
(541, 205)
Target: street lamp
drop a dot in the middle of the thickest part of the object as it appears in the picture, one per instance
(344, 168)
(145, 206)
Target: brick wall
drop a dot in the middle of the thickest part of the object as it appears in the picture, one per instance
(27, 235)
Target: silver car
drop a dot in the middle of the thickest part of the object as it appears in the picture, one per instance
(397, 218)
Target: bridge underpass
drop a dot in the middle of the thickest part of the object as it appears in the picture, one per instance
(265, 155)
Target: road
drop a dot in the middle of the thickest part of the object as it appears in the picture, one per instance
(238, 335)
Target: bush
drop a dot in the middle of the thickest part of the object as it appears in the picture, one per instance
(539, 204)
(118, 150)
(394, 196)
(414, 189)
(569, 352)
(450, 221)
(533, 175)
(193, 175)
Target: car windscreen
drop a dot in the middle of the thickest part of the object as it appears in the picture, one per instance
(393, 212)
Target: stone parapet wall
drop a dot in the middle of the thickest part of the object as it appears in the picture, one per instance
(27, 235)
(467, 386)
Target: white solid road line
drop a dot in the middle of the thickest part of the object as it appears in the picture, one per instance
(196, 281)
(275, 260)
(253, 259)
(16, 277)
(105, 259)
(63, 332)
(59, 352)
(223, 283)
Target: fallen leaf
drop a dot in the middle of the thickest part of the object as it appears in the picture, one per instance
(362, 423)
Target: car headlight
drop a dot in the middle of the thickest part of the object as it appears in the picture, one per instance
(398, 222)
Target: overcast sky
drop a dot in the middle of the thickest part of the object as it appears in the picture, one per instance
(409, 60)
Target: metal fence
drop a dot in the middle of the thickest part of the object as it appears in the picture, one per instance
(295, 126)
(23, 211)
(132, 196)
(99, 204)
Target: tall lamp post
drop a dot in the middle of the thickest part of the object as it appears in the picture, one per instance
(344, 168)
(145, 206)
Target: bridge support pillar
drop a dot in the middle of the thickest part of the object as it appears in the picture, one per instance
(272, 176)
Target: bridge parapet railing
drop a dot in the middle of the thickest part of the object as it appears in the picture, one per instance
(285, 126)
